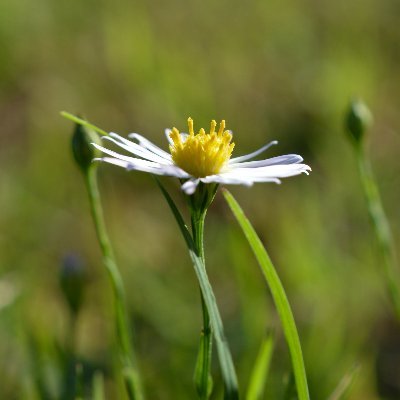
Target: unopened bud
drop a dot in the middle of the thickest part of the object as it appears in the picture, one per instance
(358, 120)
(83, 151)
(72, 281)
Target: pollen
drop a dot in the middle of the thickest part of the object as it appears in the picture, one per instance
(202, 154)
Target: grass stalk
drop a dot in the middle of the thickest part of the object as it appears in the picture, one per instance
(278, 294)
(259, 375)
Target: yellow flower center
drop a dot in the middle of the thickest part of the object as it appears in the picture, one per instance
(202, 154)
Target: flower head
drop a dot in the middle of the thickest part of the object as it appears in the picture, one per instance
(202, 157)
(203, 154)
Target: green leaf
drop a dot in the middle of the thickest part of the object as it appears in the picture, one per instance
(259, 374)
(83, 122)
(278, 294)
(178, 216)
(224, 355)
(345, 384)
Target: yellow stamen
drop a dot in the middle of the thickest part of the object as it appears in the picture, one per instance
(190, 124)
(213, 125)
(202, 154)
(221, 127)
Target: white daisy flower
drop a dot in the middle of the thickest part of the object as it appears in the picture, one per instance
(202, 157)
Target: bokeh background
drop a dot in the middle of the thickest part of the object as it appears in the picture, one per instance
(282, 70)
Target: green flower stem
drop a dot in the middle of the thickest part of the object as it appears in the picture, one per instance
(202, 377)
(278, 294)
(224, 354)
(129, 370)
(381, 227)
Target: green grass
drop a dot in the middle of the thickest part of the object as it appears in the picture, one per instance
(273, 70)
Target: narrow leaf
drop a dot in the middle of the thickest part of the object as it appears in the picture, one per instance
(344, 385)
(83, 122)
(224, 355)
(278, 294)
(178, 216)
(259, 374)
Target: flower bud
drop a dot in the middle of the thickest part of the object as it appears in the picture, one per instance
(358, 120)
(82, 149)
(72, 281)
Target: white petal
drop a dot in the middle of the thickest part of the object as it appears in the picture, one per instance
(165, 170)
(243, 180)
(272, 171)
(173, 170)
(115, 161)
(135, 148)
(286, 159)
(145, 165)
(189, 187)
(123, 157)
(254, 154)
(129, 165)
(150, 146)
(226, 180)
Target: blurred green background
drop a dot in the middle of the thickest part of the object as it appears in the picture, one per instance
(282, 70)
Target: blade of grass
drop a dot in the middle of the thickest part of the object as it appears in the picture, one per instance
(224, 355)
(345, 384)
(259, 374)
(278, 294)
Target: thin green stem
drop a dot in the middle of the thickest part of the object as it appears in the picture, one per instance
(83, 122)
(224, 354)
(198, 232)
(202, 376)
(130, 373)
(381, 227)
